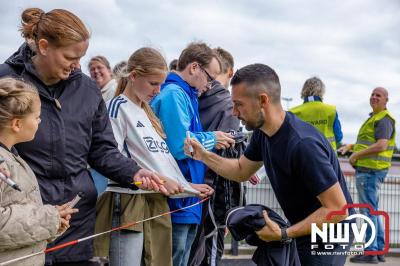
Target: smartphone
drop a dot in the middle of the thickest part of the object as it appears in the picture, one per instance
(77, 198)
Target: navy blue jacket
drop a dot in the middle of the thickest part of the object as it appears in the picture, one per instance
(244, 221)
(74, 133)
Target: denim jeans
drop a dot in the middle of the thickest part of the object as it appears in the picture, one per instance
(99, 180)
(368, 184)
(182, 240)
(126, 246)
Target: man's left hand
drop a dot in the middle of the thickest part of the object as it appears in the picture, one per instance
(271, 231)
(353, 159)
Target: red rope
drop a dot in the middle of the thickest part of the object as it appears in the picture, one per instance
(73, 242)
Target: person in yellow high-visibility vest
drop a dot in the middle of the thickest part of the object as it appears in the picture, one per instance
(371, 158)
(321, 115)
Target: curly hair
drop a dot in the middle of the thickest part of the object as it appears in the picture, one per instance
(313, 87)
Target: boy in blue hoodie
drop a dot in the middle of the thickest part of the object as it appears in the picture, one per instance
(177, 108)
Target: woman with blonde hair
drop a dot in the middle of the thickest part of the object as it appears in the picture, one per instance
(140, 136)
(75, 130)
(100, 71)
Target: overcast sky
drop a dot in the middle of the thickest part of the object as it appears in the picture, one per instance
(353, 45)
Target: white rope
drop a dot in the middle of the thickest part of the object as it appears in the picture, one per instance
(102, 233)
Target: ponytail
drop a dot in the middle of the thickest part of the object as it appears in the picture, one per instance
(156, 123)
(122, 83)
(59, 27)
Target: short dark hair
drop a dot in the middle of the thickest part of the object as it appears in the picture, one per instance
(173, 64)
(226, 59)
(196, 52)
(259, 77)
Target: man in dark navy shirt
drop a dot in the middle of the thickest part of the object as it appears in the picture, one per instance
(302, 167)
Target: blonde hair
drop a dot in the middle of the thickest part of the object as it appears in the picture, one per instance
(145, 61)
(313, 87)
(59, 27)
(101, 59)
(16, 99)
(225, 58)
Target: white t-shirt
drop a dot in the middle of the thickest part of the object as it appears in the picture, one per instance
(137, 139)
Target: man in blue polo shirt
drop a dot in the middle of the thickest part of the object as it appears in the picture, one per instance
(302, 166)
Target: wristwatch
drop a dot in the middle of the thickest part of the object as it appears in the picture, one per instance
(285, 239)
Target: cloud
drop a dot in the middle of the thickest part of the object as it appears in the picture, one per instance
(353, 46)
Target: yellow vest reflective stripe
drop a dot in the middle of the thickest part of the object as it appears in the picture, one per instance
(320, 115)
(366, 137)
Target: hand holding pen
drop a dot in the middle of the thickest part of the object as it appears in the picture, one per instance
(10, 182)
(190, 145)
(168, 186)
(194, 149)
(5, 176)
(148, 180)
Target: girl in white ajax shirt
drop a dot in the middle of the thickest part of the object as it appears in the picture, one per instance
(139, 135)
(26, 225)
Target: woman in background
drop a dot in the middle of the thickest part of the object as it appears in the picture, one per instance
(101, 73)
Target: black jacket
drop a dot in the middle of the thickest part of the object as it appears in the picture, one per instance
(244, 221)
(74, 133)
(215, 109)
(227, 193)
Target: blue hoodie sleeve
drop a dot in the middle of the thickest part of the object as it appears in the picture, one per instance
(207, 139)
(174, 110)
(337, 129)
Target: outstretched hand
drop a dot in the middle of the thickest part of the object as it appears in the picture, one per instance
(224, 140)
(170, 186)
(196, 151)
(204, 189)
(147, 180)
(345, 148)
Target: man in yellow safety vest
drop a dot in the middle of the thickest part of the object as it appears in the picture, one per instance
(321, 115)
(372, 155)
